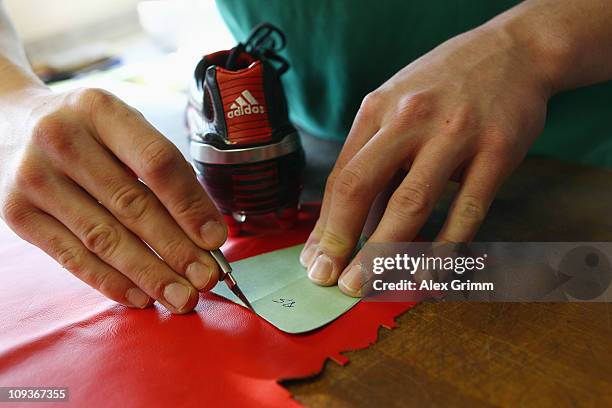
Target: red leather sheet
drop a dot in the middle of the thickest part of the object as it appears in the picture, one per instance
(55, 331)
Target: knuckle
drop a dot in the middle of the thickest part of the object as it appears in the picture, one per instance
(71, 258)
(178, 252)
(48, 127)
(107, 284)
(191, 206)
(463, 119)
(335, 244)
(102, 239)
(146, 276)
(54, 133)
(92, 100)
(414, 108)
(159, 158)
(471, 210)
(30, 178)
(348, 185)
(15, 213)
(131, 203)
(410, 201)
(370, 105)
(317, 231)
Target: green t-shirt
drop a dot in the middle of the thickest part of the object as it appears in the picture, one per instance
(340, 50)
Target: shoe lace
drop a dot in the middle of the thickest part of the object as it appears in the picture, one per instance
(264, 43)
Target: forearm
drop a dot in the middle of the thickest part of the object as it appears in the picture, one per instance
(570, 42)
(15, 71)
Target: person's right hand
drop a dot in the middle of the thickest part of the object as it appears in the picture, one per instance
(70, 171)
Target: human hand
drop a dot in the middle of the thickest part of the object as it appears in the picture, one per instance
(468, 110)
(70, 166)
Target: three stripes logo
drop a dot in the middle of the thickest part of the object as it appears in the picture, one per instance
(245, 104)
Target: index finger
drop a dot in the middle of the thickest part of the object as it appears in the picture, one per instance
(364, 127)
(157, 162)
(358, 184)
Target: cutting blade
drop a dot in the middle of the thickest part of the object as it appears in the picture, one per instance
(233, 286)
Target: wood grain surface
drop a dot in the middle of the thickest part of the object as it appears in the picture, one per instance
(512, 354)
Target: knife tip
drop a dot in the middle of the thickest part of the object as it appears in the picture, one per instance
(243, 298)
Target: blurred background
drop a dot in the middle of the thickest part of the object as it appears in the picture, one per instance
(142, 51)
(60, 33)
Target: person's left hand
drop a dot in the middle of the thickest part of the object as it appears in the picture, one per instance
(468, 110)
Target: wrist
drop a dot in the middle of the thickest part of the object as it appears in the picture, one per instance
(540, 42)
(16, 79)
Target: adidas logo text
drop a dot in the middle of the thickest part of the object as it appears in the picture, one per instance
(245, 104)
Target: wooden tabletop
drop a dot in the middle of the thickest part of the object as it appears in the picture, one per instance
(502, 354)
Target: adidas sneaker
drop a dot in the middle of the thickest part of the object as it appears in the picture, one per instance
(247, 154)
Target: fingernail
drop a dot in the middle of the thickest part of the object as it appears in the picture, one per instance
(321, 269)
(307, 254)
(177, 295)
(198, 274)
(213, 233)
(137, 298)
(352, 280)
